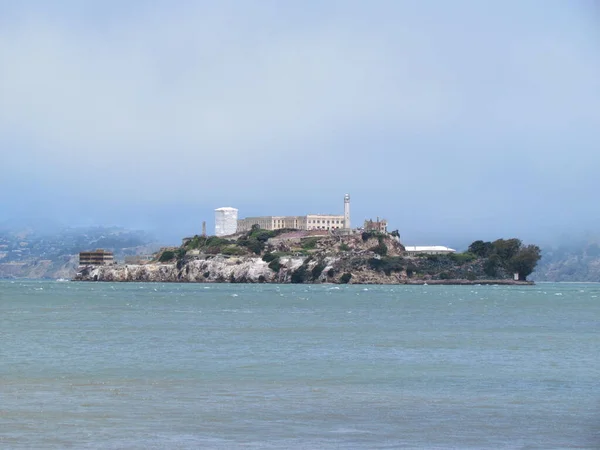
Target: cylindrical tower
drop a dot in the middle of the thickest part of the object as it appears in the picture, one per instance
(347, 211)
(225, 221)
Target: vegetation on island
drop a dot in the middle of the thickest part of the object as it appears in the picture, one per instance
(351, 258)
(508, 255)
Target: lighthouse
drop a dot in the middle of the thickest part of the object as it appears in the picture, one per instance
(347, 211)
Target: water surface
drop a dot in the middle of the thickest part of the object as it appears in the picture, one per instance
(102, 365)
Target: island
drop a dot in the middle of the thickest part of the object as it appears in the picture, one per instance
(314, 256)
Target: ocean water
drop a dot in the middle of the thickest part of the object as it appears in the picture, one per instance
(186, 366)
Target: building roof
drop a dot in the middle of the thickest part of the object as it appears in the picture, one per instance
(226, 208)
(428, 248)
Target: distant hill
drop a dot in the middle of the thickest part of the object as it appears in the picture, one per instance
(33, 252)
(576, 261)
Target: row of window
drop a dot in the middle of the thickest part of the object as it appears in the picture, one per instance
(323, 221)
(324, 227)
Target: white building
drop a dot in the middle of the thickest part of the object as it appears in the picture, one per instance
(272, 223)
(328, 222)
(226, 221)
(309, 222)
(428, 250)
(324, 222)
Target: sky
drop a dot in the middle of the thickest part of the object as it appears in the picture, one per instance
(455, 121)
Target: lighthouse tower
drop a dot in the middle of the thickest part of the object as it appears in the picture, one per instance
(347, 211)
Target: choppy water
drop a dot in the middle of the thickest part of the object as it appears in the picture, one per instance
(94, 365)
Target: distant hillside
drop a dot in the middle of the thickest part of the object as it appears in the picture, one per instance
(578, 261)
(28, 253)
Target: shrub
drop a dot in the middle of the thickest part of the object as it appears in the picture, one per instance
(233, 250)
(261, 235)
(380, 249)
(214, 241)
(253, 245)
(345, 278)
(300, 274)
(317, 270)
(387, 264)
(167, 255)
(330, 272)
(344, 247)
(213, 250)
(444, 276)
(310, 243)
(462, 258)
(268, 257)
(275, 265)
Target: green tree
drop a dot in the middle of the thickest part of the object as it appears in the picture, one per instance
(480, 248)
(490, 266)
(524, 261)
(506, 248)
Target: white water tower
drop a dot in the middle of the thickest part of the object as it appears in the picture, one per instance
(225, 221)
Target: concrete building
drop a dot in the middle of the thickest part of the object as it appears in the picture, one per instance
(272, 223)
(328, 222)
(428, 250)
(347, 211)
(97, 257)
(379, 225)
(226, 221)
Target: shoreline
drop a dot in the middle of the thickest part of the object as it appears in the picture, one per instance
(455, 282)
(470, 282)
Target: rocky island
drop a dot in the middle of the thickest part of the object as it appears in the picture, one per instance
(294, 256)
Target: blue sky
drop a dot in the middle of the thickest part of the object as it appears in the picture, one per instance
(454, 120)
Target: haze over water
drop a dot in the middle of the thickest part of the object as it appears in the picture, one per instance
(297, 366)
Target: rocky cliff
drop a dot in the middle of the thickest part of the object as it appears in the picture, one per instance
(356, 259)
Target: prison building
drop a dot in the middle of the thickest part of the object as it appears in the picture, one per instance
(97, 257)
(379, 225)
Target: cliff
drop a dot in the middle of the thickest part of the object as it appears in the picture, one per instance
(268, 257)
